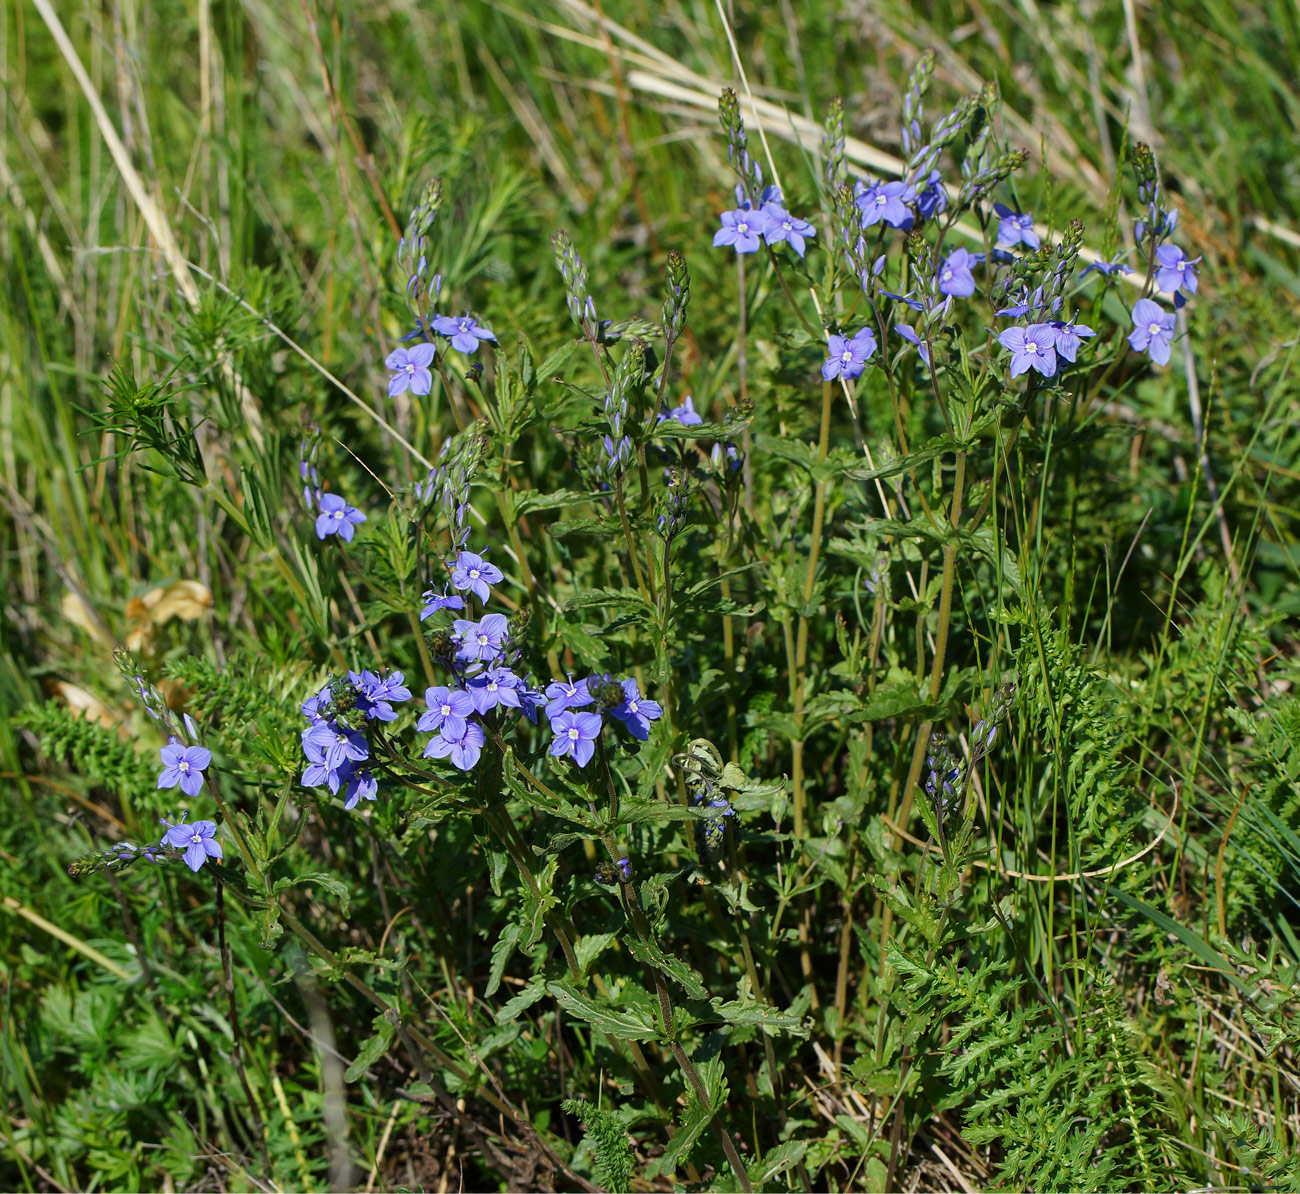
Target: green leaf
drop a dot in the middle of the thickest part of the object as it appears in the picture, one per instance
(627, 1022)
(584, 526)
(676, 969)
(761, 1015)
(590, 947)
(371, 1051)
(522, 1001)
(935, 447)
(679, 1148)
(777, 1161)
(331, 883)
(501, 951)
(534, 500)
(672, 429)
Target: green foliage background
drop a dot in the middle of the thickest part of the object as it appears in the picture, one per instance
(928, 1024)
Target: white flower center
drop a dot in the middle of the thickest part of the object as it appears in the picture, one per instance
(634, 706)
(473, 574)
(182, 766)
(947, 275)
(446, 710)
(573, 734)
(482, 640)
(743, 226)
(1154, 329)
(1031, 347)
(847, 355)
(492, 686)
(196, 838)
(881, 200)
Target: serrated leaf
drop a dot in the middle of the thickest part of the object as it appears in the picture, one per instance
(501, 951)
(628, 1022)
(591, 946)
(584, 526)
(650, 953)
(332, 883)
(928, 451)
(371, 1051)
(522, 1001)
(761, 1015)
(679, 1148)
(778, 1160)
(534, 500)
(672, 429)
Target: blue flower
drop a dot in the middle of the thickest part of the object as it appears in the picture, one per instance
(782, 226)
(448, 710)
(906, 299)
(636, 712)
(463, 748)
(337, 518)
(474, 573)
(530, 701)
(373, 694)
(906, 332)
(361, 786)
(1107, 268)
(337, 743)
(1069, 336)
(1015, 228)
(480, 641)
(1153, 331)
(1033, 347)
(496, 686)
(685, 414)
(848, 357)
(885, 201)
(575, 734)
(198, 839)
(318, 773)
(434, 601)
(933, 198)
(740, 228)
(314, 708)
(183, 765)
(562, 695)
(955, 275)
(410, 367)
(463, 330)
(1174, 270)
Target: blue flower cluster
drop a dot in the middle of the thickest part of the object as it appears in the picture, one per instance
(576, 733)
(1045, 336)
(747, 226)
(333, 743)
